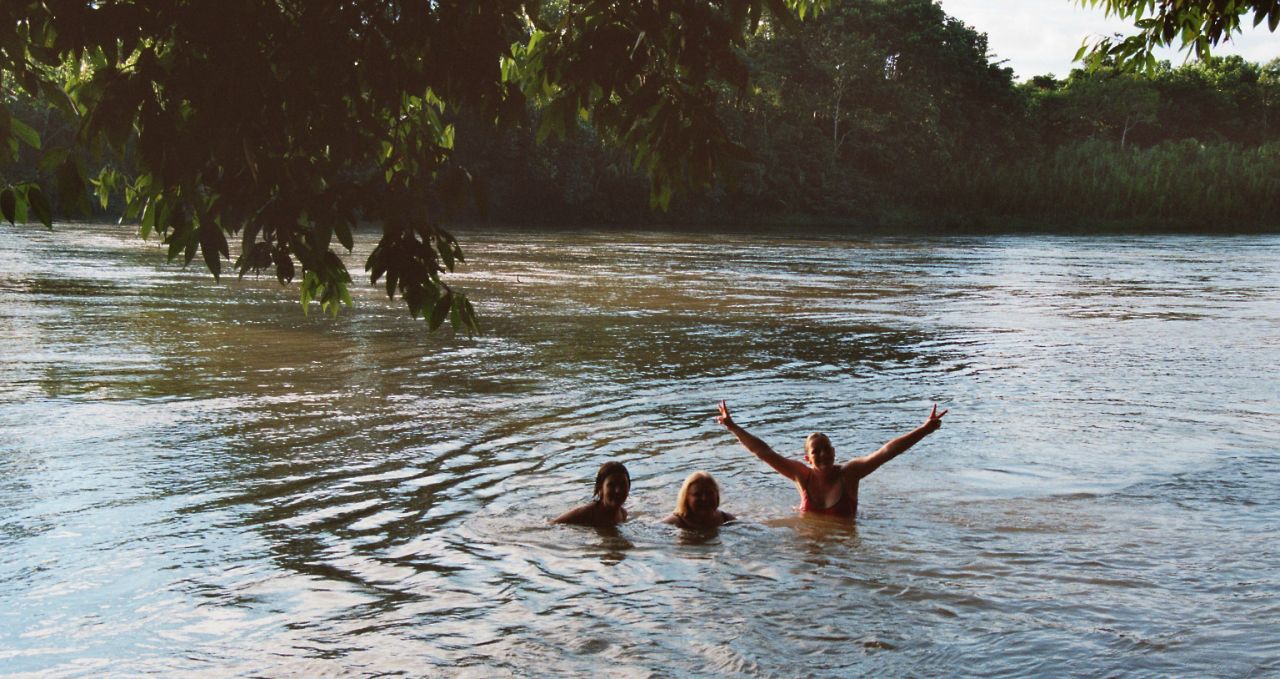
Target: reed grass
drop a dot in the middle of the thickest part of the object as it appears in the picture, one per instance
(1177, 184)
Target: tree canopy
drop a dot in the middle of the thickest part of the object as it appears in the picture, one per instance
(1195, 25)
(285, 124)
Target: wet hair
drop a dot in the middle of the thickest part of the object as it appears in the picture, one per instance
(818, 441)
(609, 469)
(683, 499)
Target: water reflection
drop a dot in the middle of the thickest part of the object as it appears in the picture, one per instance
(613, 546)
(197, 476)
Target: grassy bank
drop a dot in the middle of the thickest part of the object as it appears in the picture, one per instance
(1181, 185)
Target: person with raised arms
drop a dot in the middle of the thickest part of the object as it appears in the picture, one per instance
(826, 487)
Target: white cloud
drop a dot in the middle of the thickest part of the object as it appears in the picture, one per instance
(1041, 36)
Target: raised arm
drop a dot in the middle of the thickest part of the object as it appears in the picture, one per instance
(861, 466)
(791, 469)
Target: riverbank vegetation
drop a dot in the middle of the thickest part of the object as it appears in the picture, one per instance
(869, 114)
(877, 114)
(894, 114)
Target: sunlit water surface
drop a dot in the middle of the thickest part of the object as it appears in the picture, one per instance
(197, 479)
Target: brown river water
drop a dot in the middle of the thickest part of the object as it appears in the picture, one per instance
(198, 480)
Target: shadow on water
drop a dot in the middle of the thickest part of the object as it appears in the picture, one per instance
(612, 548)
(821, 540)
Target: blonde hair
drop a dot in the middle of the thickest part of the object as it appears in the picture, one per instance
(683, 498)
(818, 441)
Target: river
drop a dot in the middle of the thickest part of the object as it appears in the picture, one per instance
(197, 479)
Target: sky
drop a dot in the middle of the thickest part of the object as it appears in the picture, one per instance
(1041, 36)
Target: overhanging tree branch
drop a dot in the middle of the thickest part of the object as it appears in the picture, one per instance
(281, 125)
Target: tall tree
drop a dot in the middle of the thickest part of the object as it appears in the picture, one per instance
(1113, 103)
(870, 99)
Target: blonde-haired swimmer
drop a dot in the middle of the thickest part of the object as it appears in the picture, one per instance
(698, 505)
(613, 484)
(826, 487)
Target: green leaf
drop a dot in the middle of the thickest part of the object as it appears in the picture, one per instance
(415, 297)
(213, 244)
(148, 221)
(455, 313)
(534, 38)
(306, 291)
(20, 211)
(1084, 47)
(319, 234)
(440, 310)
(469, 315)
(446, 253)
(284, 265)
(24, 132)
(343, 230)
(58, 97)
(9, 204)
(393, 279)
(189, 253)
(165, 216)
(40, 206)
(106, 183)
(175, 244)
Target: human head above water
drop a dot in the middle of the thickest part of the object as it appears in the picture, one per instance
(605, 490)
(700, 493)
(818, 450)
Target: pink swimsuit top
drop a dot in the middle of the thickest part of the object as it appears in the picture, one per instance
(843, 507)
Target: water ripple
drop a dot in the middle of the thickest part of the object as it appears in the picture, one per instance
(198, 480)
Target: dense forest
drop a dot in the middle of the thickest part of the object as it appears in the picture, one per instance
(893, 114)
(881, 114)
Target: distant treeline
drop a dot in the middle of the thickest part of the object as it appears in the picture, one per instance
(893, 114)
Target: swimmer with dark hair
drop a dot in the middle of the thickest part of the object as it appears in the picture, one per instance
(613, 483)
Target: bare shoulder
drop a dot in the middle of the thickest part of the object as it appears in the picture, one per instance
(726, 517)
(580, 516)
(855, 469)
(672, 519)
(793, 469)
